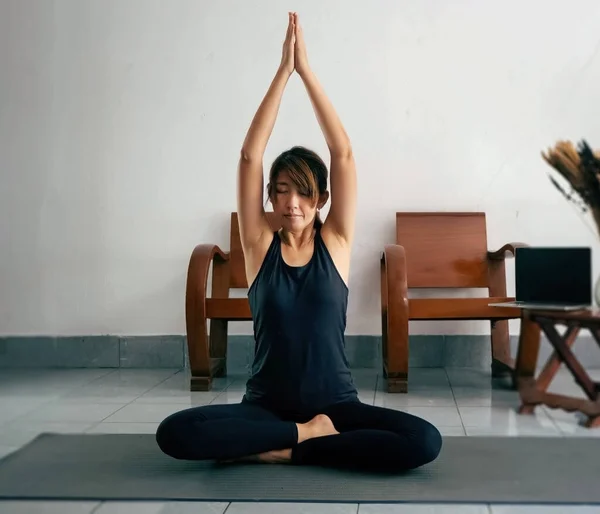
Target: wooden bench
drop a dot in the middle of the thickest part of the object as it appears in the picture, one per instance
(207, 350)
(441, 250)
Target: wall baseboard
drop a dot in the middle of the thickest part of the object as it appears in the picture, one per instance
(170, 351)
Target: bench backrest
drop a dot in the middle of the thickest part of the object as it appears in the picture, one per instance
(237, 267)
(444, 249)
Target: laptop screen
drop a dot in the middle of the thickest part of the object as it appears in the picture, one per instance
(554, 275)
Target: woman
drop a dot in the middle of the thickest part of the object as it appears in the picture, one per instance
(301, 405)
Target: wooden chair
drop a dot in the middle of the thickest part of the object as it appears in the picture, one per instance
(441, 250)
(208, 350)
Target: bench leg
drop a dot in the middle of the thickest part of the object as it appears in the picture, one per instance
(394, 340)
(218, 347)
(395, 360)
(502, 363)
(197, 342)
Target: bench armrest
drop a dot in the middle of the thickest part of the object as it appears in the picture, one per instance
(197, 280)
(202, 257)
(394, 281)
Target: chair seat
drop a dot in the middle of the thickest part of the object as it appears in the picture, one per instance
(460, 308)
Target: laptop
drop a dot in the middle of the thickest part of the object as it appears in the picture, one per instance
(552, 278)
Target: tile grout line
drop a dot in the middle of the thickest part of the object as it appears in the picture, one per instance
(462, 423)
(376, 386)
(94, 425)
(95, 508)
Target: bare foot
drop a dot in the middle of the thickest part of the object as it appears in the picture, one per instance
(271, 457)
(319, 426)
(276, 457)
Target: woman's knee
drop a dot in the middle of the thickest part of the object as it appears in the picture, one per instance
(165, 433)
(171, 432)
(414, 448)
(427, 444)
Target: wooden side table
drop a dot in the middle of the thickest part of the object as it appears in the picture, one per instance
(532, 391)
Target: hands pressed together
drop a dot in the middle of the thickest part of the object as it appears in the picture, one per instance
(294, 50)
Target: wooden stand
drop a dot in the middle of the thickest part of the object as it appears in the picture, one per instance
(533, 390)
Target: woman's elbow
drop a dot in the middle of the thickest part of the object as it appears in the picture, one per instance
(250, 155)
(343, 152)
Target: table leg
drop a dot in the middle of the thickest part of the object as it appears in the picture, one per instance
(566, 355)
(534, 392)
(527, 356)
(553, 364)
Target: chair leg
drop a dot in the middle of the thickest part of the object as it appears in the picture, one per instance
(394, 332)
(396, 366)
(197, 342)
(218, 347)
(502, 363)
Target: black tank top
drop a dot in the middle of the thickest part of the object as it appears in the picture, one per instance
(299, 314)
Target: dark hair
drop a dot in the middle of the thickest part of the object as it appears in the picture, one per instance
(307, 171)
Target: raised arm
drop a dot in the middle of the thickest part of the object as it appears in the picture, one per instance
(342, 212)
(251, 213)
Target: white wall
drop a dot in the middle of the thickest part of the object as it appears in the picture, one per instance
(121, 122)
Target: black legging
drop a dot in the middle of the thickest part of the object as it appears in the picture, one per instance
(371, 438)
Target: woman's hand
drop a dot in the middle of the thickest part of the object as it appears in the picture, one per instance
(300, 57)
(287, 56)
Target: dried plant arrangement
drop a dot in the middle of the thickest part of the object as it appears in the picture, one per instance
(580, 167)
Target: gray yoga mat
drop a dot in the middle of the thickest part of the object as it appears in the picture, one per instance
(469, 469)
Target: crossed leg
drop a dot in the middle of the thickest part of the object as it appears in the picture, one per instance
(371, 438)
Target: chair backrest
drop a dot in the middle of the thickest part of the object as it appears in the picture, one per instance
(237, 265)
(444, 249)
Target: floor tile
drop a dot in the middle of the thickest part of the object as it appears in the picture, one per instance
(144, 413)
(185, 398)
(13, 408)
(451, 431)
(570, 424)
(475, 377)
(367, 396)
(227, 397)
(103, 394)
(179, 383)
(161, 508)
(22, 432)
(237, 384)
(545, 509)
(497, 421)
(6, 449)
(417, 508)
(176, 389)
(431, 377)
(124, 428)
(46, 507)
(144, 378)
(292, 508)
(418, 396)
(77, 412)
(42, 382)
(485, 397)
(438, 416)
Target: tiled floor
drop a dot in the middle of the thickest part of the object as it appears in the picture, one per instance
(458, 401)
